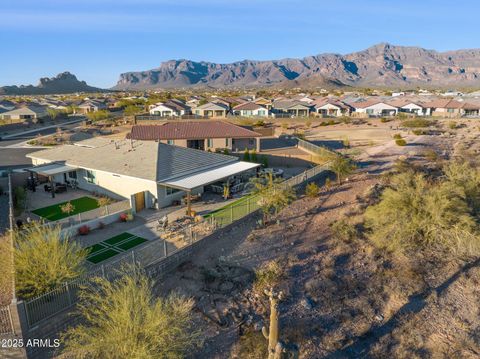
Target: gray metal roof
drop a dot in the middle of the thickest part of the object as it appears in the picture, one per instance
(148, 160)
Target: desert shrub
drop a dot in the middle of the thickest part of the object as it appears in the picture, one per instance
(246, 155)
(343, 230)
(268, 275)
(418, 132)
(416, 213)
(308, 123)
(273, 196)
(346, 142)
(259, 123)
(284, 125)
(312, 190)
(417, 123)
(45, 259)
(401, 142)
(397, 136)
(246, 122)
(123, 319)
(452, 125)
(466, 178)
(430, 155)
(252, 345)
(385, 120)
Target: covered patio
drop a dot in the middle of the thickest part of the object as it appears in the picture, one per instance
(53, 176)
(233, 177)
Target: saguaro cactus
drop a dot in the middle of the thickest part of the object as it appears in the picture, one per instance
(275, 347)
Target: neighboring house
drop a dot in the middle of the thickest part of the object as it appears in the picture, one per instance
(374, 108)
(330, 107)
(405, 105)
(291, 108)
(90, 106)
(262, 101)
(164, 110)
(25, 113)
(148, 173)
(452, 108)
(201, 135)
(250, 109)
(7, 105)
(212, 109)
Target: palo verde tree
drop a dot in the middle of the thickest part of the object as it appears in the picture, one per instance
(342, 167)
(44, 259)
(123, 319)
(418, 212)
(273, 194)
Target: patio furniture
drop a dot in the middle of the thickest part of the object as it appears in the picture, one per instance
(236, 188)
(216, 189)
(60, 188)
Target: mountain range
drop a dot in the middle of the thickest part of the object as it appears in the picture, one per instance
(383, 65)
(64, 82)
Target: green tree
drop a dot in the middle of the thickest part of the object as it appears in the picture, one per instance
(264, 161)
(131, 110)
(123, 319)
(246, 155)
(53, 113)
(44, 259)
(253, 156)
(273, 194)
(342, 167)
(99, 115)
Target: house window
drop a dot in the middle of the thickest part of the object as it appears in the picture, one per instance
(72, 174)
(169, 191)
(170, 142)
(227, 142)
(261, 112)
(209, 142)
(90, 176)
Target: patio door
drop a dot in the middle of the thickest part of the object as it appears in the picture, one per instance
(139, 201)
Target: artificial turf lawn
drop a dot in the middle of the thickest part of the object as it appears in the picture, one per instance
(95, 248)
(100, 257)
(54, 213)
(121, 237)
(132, 243)
(113, 246)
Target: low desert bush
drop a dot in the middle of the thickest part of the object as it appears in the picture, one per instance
(312, 190)
(343, 230)
(417, 123)
(401, 142)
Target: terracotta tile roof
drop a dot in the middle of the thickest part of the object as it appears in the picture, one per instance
(190, 130)
(444, 103)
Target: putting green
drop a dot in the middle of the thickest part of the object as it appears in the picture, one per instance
(111, 247)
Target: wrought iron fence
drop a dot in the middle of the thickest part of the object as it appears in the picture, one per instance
(153, 252)
(6, 326)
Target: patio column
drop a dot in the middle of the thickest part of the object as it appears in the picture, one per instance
(189, 202)
(52, 186)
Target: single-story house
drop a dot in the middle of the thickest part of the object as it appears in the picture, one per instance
(212, 109)
(291, 108)
(201, 135)
(171, 108)
(250, 109)
(374, 108)
(25, 113)
(7, 105)
(330, 107)
(452, 108)
(150, 174)
(90, 106)
(406, 105)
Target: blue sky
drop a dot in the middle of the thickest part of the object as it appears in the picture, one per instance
(98, 39)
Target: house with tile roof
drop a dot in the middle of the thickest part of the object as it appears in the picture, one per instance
(452, 108)
(28, 112)
(202, 135)
(291, 108)
(151, 173)
(331, 107)
(251, 109)
(374, 108)
(212, 110)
